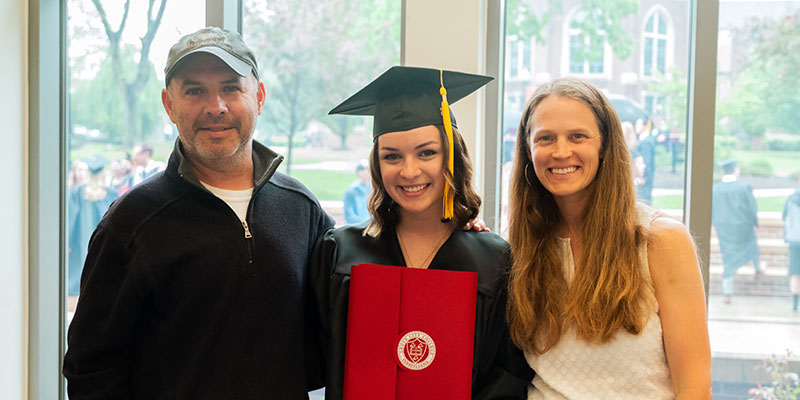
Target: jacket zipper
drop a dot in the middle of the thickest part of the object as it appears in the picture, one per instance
(248, 238)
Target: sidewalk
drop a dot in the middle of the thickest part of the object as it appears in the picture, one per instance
(753, 327)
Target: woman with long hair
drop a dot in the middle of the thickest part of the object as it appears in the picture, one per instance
(422, 195)
(605, 294)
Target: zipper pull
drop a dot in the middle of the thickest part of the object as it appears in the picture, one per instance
(247, 234)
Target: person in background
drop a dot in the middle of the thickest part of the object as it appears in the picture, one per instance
(417, 204)
(791, 234)
(195, 285)
(143, 164)
(355, 197)
(606, 296)
(121, 177)
(86, 204)
(734, 214)
(647, 150)
(637, 162)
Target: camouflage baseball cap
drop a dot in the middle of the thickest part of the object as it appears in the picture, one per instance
(226, 45)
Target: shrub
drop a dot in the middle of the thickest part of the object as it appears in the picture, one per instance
(758, 168)
(785, 144)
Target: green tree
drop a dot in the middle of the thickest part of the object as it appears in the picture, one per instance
(672, 88)
(97, 103)
(286, 35)
(522, 20)
(131, 81)
(764, 85)
(313, 55)
(371, 44)
(597, 21)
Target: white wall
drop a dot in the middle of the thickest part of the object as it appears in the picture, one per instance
(13, 26)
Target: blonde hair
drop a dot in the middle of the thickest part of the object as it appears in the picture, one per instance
(466, 202)
(610, 291)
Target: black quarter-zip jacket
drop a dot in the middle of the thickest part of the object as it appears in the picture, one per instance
(181, 300)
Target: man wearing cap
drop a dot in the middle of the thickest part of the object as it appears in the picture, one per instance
(195, 282)
(734, 214)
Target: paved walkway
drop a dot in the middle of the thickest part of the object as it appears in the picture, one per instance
(753, 327)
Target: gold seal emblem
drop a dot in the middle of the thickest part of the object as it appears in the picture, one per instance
(415, 351)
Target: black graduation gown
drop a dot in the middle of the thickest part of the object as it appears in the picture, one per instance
(499, 369)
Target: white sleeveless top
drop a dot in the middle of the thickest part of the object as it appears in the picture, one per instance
(627, 367)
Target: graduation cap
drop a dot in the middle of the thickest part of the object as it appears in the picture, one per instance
(404, 98)
(96, 163)
(728, 165)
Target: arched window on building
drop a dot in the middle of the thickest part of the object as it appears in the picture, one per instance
(585, 54)
(657, 42)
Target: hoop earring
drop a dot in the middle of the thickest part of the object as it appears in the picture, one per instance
(526, 174)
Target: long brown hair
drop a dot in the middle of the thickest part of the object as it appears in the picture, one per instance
(466, 202)
(609, 290)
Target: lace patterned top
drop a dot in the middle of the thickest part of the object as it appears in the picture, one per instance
(627, 367)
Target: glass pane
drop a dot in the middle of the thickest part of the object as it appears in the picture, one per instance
(514, 58)
(596, 62)
(662, 55)
(526, 56)
(755, 273)
(312, 56)
(118, 133)
(660, 133)
(575, 62)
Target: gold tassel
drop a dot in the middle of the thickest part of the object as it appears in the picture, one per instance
(449, 193)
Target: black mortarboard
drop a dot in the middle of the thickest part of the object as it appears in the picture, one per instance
(404, 98)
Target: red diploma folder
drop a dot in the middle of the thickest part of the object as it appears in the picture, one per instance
(410, 333)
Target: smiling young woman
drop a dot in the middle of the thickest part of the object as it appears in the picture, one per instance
(422, 195)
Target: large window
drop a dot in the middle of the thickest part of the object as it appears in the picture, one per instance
(118, 134)
(757, 166)
(655, 109)
(117, 131)
(752, 285)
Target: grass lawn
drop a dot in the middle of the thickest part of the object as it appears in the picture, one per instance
(326, 185)
(673, 202)
(774, 203)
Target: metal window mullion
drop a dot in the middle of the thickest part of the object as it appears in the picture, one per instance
(46, 160)
(701, 105)
(495, 66)
(225, 14)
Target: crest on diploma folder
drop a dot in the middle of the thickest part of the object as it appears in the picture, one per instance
(410, 333)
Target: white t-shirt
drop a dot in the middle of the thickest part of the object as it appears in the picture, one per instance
(238, 200)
